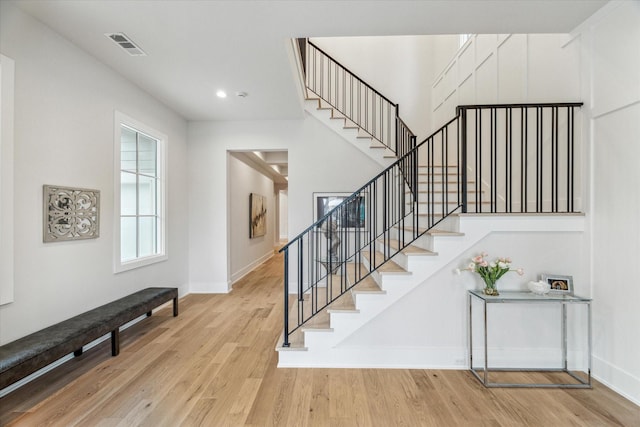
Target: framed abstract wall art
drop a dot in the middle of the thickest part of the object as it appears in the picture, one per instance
(258, 215)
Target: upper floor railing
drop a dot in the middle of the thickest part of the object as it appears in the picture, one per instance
(520, 158)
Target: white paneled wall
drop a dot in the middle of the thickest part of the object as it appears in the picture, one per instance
(508, 68)
(610, 66)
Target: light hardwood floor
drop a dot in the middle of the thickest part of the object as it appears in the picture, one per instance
(215, 365)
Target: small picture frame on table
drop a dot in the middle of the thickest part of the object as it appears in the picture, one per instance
(560, 284)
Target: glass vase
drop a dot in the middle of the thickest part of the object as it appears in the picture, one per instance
(491, 287)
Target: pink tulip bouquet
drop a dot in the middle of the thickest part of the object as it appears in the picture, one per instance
(490, 271)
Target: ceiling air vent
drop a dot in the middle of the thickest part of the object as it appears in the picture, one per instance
(125, 42)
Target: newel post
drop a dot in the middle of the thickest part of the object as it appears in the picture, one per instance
(286, 298)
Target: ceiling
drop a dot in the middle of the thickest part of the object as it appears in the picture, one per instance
(273, 164)
(197, 47)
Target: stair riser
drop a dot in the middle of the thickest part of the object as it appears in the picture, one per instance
(350, 135)
(435, 197)
(424, 241)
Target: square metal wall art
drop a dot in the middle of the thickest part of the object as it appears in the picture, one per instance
(70, 213)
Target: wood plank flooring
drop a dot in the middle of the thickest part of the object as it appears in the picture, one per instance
(215, 365)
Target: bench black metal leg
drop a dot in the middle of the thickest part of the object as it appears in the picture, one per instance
(175, 307)
(78, 352)
(115, 342)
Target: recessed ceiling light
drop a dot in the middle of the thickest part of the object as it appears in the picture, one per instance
(221, 94)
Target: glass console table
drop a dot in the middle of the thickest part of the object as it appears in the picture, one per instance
(518, 297)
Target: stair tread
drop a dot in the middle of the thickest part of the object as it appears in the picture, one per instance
(433, 232)
(436, 174)
(421, 180)
(411, 249)
(368, 284)
(453, 190)
(389, 267)
(444, 233)
(294, 343)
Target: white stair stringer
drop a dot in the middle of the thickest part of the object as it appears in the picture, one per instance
(321, 347)
(349, 133)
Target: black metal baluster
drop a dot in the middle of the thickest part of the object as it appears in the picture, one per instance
(554, 159)
(285, 342)
(478, 160)
(570, 165)
(445, 206)
(462, 164)
(494, 160)
(508, 172)
(538, 146)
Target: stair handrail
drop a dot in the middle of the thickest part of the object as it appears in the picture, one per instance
(351, 72)
(366, 117)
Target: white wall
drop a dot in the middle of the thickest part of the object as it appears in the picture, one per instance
(433, 320)
(283, 201)
(319, 161)
(610, 66)
(400, 67)
(64, 135)
(245, 253)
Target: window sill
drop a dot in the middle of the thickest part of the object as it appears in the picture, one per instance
(137, 263)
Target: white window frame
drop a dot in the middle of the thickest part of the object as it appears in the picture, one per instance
(463, 39)
(162, 255)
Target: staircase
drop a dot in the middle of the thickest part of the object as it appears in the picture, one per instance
(350, 131)
(323, 342)
(338, 278)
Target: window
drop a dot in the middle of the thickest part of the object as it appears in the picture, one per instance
(140, 196)
(463, 39)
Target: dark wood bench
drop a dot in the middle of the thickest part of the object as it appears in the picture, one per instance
(26, 355)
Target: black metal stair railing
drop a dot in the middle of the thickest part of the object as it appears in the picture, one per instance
(487, 159)
(368, 228)
(355, 99)
(520, 158)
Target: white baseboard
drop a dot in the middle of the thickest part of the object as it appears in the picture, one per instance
(357, 357)
(405, 357)
(209, 287)
(249, 268)
(618, 380)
